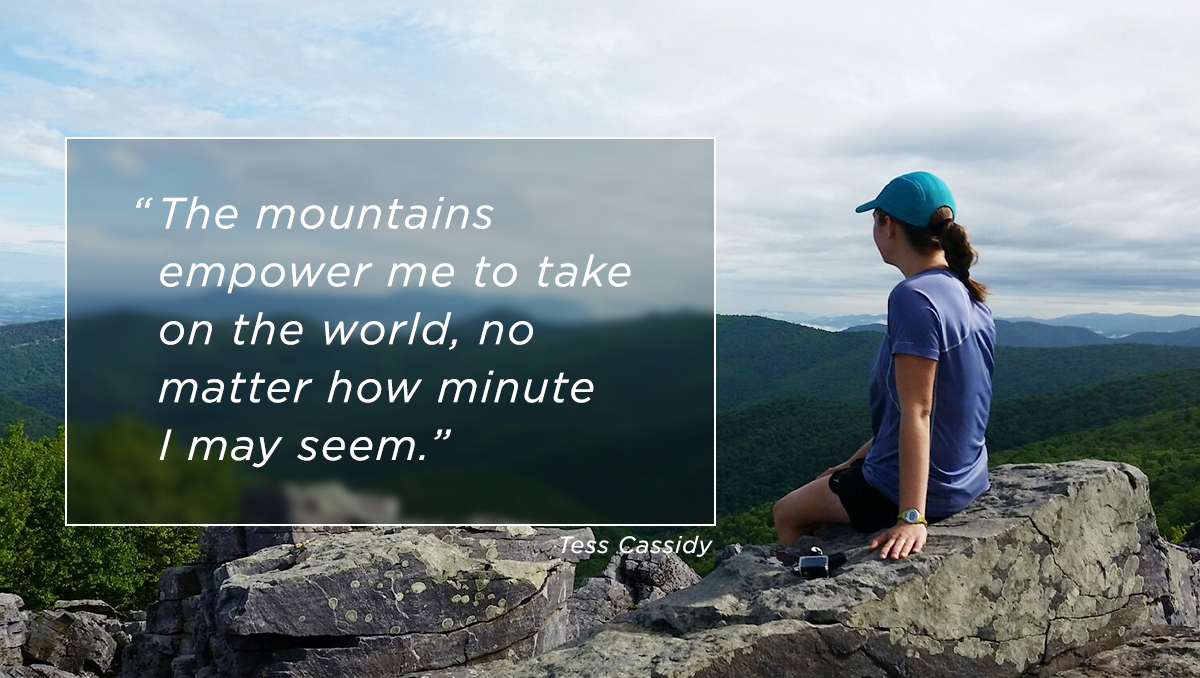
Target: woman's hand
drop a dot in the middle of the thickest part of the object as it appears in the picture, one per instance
(900, 540)
(833, 469)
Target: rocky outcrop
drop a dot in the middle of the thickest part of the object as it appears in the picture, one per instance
(651, 576)
(1057, 570)
(1055, 563)
(1172, 576)
(74, 638)
(357, 602)
(75, 642)
(12, 629)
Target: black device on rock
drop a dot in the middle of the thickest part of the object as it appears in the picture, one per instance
(816, 565)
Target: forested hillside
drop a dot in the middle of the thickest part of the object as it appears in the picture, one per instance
(33, 366)
(38, 424)
(1165, 445)
(767, 450)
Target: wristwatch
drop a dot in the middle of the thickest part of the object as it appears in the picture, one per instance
(912, 516)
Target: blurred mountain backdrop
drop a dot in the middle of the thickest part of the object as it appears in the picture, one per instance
(791, 401)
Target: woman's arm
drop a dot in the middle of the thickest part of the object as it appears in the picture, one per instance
(862, 452)
(914, 385)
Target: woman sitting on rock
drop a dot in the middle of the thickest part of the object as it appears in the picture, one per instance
(931, 385)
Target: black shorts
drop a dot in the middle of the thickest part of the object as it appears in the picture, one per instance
(869, 510)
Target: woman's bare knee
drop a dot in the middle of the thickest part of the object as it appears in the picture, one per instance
(791, 515)
(804, 509)
(779, 511)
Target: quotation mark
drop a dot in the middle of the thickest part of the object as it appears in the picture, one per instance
(442, 434)
(147, 205)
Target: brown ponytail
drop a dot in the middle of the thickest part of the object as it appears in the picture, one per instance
(942, 232)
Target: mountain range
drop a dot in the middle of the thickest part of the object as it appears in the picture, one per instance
(791, 401)
(1031, 333)
(1108, 325)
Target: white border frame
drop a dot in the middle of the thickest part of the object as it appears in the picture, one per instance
(66, 240)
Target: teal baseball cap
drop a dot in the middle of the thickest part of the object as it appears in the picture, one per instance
(912, 198)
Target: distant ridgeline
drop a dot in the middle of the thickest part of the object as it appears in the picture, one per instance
(32, 373)
(1033, 334)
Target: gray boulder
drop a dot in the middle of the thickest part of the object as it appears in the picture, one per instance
(72, 641)
(184, 666)
(340, 601)
(365, 584)
(222, 544)
(598, 600)
(148, 656)
(12, 629)
(1173, 581)
(726, 552)
(167, 617)
(629, 580)
(177, 583)
(103, 615)
(1054, 563)
(654, 575)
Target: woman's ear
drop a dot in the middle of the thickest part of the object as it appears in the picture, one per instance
(889, 227)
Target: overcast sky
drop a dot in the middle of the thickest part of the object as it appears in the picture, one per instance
(1069, 133)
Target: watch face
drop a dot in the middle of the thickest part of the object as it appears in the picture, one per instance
(912, 515)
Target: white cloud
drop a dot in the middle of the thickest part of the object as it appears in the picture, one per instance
(1067, 131)
(30, 140)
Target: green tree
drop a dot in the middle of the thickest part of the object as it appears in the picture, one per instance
(42, 559)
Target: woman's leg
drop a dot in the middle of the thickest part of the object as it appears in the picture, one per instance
(805, 509)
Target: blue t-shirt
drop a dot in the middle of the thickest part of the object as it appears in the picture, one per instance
(932, 315)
